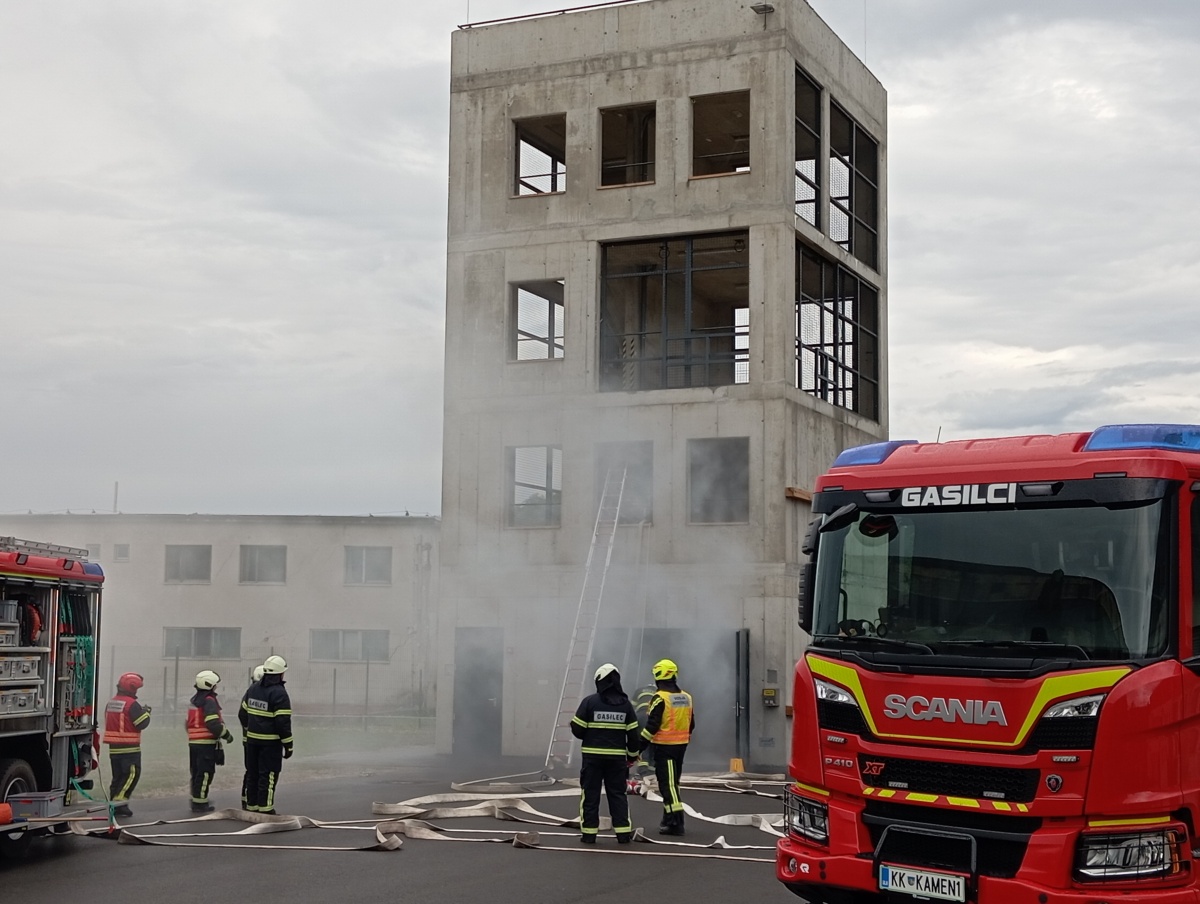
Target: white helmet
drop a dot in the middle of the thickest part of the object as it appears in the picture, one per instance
(605, 670)
(257, 674)
(274, 665)
(207, 680)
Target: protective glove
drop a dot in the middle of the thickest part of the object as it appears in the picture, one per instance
(287, 753)
(227, 736)
(630, 764)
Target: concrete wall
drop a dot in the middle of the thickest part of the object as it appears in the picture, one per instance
(669, 574)
(139, 604)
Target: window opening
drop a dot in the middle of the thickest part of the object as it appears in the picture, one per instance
(675, 313)
(349, 645)
(120, 552)
(837, 334)
(627, 145)
(263, 565)
(536, 481)
(719, 480)
(188, 564)
(541, 155)
(853, 187)
(368, 565)
(808, 147)
(537, 321)
(721, 133)
(202, 643)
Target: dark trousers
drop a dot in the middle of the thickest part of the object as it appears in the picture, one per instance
(203, 761)
(263, 764)
(609, 773)
(126, 770)
(668, 767)
(247, 781)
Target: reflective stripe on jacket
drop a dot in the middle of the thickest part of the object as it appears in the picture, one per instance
(124, 719)
(606, 728)
(204, 723)
(674, 725)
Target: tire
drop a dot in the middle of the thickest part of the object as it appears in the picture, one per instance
(16, 777)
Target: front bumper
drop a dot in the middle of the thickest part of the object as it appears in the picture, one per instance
(822, 878)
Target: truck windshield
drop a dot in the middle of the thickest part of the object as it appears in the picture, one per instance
(1087, 582)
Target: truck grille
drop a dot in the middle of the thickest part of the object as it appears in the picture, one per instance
(1000, 841)
(1049, 734)
(950, 779)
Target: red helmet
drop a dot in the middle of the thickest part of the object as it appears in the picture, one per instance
(130, 681)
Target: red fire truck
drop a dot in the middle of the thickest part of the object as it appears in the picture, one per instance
(49, 634)
(1001, 700)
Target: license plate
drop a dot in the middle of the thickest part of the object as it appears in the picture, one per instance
(922, 884)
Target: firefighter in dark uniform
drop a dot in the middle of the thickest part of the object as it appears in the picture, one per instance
(255, 677)
(124, 721)
(669, 727)
(607, 727)
(266, 717)
(205, 730)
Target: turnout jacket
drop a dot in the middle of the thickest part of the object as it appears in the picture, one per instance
(606, 723)
(124, 720)
(204, 722)
(266, 713)
(671, 719)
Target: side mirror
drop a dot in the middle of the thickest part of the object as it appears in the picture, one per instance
(804, 602)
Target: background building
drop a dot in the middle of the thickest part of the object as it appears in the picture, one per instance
(349, 601)
(667, 258)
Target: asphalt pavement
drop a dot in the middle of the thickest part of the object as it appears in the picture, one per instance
(105, 872)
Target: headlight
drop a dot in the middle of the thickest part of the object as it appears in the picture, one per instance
(833, 694)
(1080, 706)
(1138, 855)
(807, 818)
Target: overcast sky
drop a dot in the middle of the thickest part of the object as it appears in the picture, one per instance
(222, 229)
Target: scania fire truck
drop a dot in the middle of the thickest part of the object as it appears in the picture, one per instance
(1000, 702)
(49, 634)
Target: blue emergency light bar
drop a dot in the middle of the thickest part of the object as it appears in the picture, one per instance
(1171, 437)
(872, 454)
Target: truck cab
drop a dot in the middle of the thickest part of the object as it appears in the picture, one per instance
(1000, 700)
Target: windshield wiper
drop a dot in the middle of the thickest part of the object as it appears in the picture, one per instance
(863, 639)
(1045, 645)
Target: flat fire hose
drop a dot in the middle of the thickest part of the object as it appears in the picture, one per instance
(416, 815)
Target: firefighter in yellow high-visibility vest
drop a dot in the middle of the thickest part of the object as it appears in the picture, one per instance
(669, 726)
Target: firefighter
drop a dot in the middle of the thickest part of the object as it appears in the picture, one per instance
(607, 726)
(669, 727)
(266, 717)
(124, 721)
(255, 677)
(205, 730)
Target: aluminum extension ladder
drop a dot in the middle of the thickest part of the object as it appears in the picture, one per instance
(33, 548)
(583, 636)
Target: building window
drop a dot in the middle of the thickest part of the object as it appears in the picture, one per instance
(636, 460)
(719, 480)
(535, 474)
(837, 334)
(120, 552)
(537, 321)
(263, 565)
(349, 646)
(675, 313)
(368, 565)
(853, 187)
(93, 552)
(721, 134)
(189, 564)
(627, 145)
(541, 155)
(808, 147)
(202, 643)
